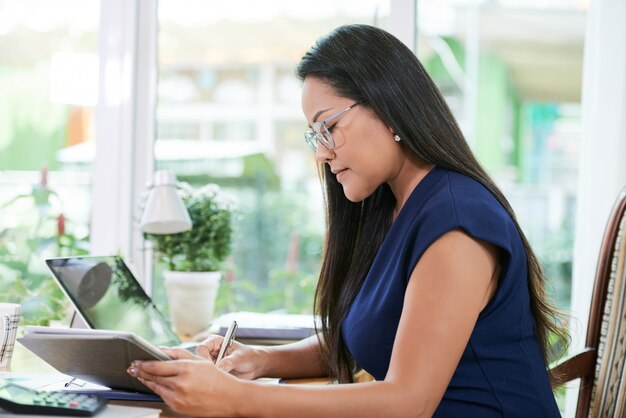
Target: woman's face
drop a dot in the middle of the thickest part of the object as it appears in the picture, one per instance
(365, 154)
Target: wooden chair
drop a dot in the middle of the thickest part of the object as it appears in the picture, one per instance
(601, 365)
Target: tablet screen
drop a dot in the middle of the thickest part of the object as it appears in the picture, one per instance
(108, 296)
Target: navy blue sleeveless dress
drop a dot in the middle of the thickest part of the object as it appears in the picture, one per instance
(501, 372)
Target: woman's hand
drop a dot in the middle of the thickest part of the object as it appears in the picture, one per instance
(188, 384)
(240, 360)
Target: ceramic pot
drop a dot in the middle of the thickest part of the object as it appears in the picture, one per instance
(191, 297)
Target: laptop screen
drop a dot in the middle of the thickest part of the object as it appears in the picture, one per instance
(108, 296)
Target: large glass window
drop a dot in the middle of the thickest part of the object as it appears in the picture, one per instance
(48, 80)
(512, 72)
(228, 95)
(229, 113)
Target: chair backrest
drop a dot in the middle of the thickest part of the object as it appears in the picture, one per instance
(601, 365)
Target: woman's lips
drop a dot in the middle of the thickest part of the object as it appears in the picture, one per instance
(341, 174)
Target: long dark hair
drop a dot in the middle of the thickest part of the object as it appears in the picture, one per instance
(365, 62)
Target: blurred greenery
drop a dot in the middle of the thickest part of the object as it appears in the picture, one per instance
(127, 289)
(556, 259)
(42, 231)
(277, 254)
(284, 291)
(275, 257)
(33, 128)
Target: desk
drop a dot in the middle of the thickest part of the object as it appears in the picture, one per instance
(26, 362)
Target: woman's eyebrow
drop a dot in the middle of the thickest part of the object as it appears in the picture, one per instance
(317, 115)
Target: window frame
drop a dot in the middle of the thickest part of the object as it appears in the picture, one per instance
(125, 115)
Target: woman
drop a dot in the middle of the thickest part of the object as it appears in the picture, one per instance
(427, 282)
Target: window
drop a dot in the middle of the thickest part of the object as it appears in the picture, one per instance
(48, 79)
(511, 70)
(229, 113)
(228, 94)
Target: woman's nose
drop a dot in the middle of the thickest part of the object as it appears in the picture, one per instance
(323, 154)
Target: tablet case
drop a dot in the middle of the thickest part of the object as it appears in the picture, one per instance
(96, 356)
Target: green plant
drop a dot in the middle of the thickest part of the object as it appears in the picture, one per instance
(207, 244)
(40, 230)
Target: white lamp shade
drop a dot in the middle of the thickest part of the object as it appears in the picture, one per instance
(165, 212)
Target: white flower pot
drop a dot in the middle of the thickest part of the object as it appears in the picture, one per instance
(191, 297)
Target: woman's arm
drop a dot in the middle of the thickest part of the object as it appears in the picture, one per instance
(298, 359)
(453, 281)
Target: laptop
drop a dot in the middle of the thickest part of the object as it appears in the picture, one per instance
(108, 297)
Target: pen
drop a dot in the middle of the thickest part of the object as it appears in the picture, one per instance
(228, 340)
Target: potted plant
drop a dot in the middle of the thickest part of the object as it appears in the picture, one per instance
(193, 259)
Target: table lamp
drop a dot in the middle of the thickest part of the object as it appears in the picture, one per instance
(164, 212)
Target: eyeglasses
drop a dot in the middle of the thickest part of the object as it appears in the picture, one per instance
(320, 132)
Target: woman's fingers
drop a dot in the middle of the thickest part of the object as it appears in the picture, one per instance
(210, 347)
(154, 371)
(226, 364)
(176, 353)
(189, 387)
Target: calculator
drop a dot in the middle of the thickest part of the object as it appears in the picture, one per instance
(22, 400)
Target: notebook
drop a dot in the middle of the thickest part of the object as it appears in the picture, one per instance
(107, 296)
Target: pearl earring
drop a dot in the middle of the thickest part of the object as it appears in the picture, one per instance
(397, 138)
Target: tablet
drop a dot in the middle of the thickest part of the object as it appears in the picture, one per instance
(107, 296)
(97, 356)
